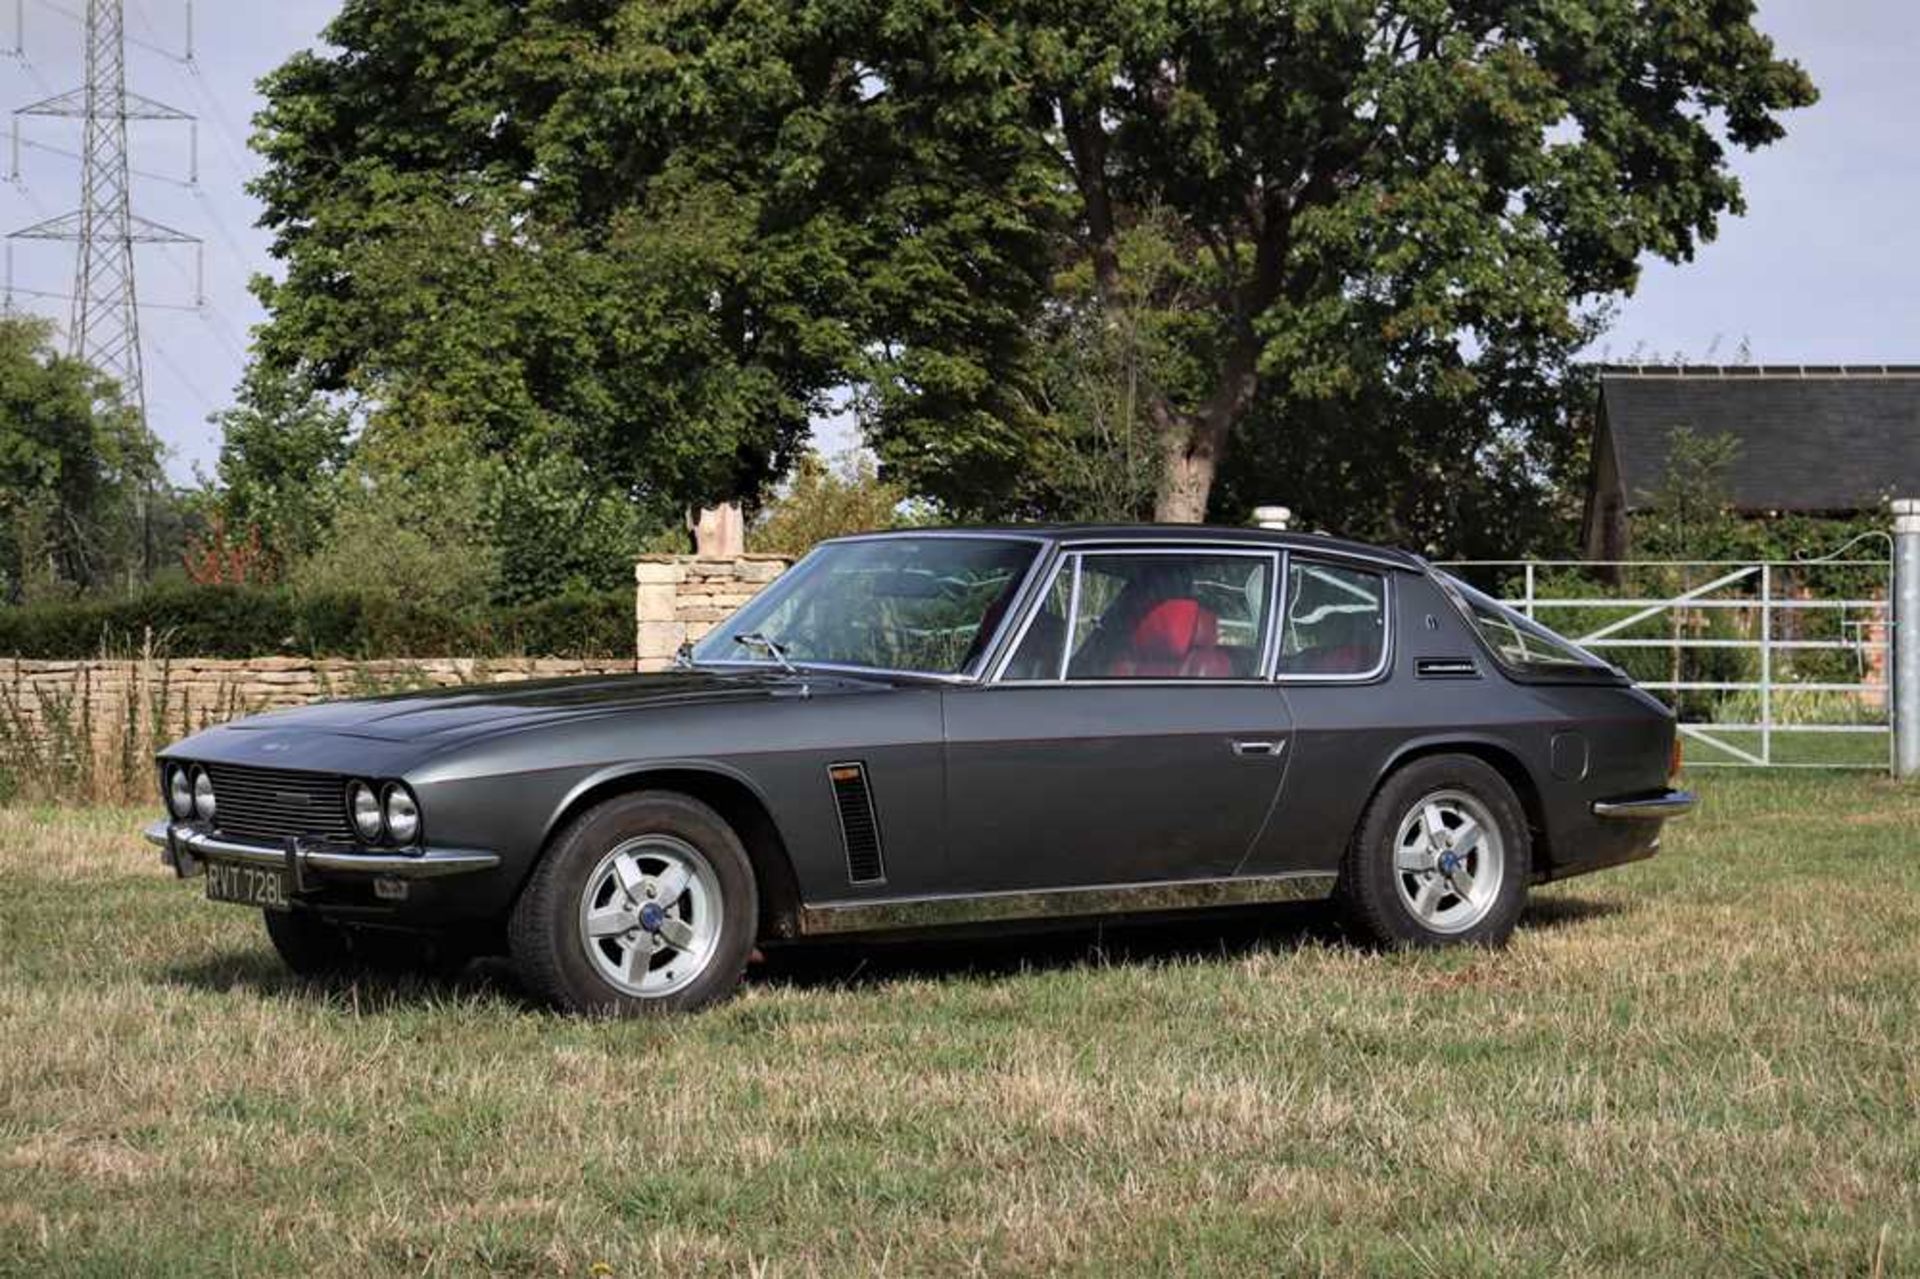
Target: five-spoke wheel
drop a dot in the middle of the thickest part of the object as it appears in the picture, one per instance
(1441, 855)
(1450, 860)
(644, 902)
(649, 917)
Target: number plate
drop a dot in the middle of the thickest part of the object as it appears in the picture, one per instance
(247, 885)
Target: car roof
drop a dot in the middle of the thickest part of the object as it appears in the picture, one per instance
(1164, 534)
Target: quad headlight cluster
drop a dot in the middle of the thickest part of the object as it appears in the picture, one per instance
(388, 815)
(189, 793)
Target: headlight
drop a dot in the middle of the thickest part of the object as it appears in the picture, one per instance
(203, 795)
(403, 815)
(364, 806)
(179, 792)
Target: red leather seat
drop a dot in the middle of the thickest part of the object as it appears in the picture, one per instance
(1175, 639)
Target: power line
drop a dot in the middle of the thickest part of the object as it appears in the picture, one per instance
(136, 41)
(68, 297)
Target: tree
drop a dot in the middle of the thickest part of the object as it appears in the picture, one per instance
(1367, 194)
(77, 470)
(825, 499)
(657, 235)
(561, 225)
(282, 452)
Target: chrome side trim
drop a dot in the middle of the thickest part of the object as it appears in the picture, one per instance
(431, 863)
(901, 913)
(1675, 803)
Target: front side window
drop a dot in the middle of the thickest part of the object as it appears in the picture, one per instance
(923, 604)
(1149, 616)
(1336, 620)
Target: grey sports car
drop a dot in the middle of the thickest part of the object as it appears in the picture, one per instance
(914, 730)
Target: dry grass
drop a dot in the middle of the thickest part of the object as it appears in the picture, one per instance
(1706, 1063)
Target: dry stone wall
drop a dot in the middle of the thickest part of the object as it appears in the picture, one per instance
(677, 598)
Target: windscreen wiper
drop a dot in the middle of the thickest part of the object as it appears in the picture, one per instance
(772, 647)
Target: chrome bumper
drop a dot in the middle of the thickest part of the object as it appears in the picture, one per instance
(182, 848)
(1675, 803)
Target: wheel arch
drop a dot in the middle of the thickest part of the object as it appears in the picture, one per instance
(1503, 759)
(738, 802)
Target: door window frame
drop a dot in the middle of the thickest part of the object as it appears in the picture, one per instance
(1285, 601)
(1069, 559)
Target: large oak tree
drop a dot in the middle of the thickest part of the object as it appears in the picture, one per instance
(656, 235)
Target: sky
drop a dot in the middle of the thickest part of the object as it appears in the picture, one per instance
(1823, 269)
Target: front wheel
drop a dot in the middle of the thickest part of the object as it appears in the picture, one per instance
(644, 903)
(1441, 857)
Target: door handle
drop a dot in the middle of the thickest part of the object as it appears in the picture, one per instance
(1245, 747)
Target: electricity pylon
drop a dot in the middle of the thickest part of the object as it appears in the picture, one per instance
(106, 320)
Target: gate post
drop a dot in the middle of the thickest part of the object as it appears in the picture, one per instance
(1906, 637)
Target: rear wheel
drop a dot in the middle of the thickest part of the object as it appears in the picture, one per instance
(644, 903)
(1441, 857)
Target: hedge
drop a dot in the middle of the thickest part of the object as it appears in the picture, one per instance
(249, 621)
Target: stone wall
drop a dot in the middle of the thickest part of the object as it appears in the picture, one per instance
(679, 598)
(167, 698)
(676, 598)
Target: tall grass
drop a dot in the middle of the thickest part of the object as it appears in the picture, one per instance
(84, 742)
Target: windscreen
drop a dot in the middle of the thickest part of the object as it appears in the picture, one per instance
(927, 605)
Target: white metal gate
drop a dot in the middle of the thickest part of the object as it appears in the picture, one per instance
(1769, 663)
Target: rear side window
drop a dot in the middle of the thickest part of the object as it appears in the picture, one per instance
(1336, 621)
(1516, 639)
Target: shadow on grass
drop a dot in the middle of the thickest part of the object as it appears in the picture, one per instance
(984, 952)
(259, 971)
(998, 952)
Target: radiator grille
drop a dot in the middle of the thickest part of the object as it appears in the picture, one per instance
(271, 803)
(858, 827)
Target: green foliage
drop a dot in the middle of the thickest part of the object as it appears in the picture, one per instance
(1068, 255)
(1394, 208)
(76, 472)
(248, 621)
(282, 451)
(828, 499)
(1497, 471)
(1690, 517)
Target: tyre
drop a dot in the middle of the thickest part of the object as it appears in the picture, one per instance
(645, 903)
(308, 945)
(1441, 857)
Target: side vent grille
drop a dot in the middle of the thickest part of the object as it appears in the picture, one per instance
(859, 830)
(1446, 668)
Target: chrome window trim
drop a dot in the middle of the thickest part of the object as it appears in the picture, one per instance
(1388, 592)
(1280, 546)
(1077, 551)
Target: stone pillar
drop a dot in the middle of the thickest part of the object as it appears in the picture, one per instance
(658, 632)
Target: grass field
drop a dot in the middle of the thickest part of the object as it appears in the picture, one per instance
(1707, 1063)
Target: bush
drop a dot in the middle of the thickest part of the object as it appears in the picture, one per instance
(253, 621)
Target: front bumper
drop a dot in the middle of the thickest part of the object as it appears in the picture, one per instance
(1673, 803)
(184, 847)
